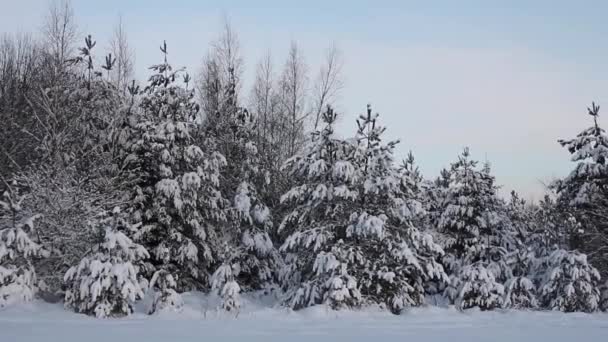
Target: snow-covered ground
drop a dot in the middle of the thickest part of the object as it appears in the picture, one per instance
(259, 321)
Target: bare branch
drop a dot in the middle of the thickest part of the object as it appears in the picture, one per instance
(329, 81)
(122, 73)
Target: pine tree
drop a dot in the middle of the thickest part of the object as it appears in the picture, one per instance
(521, 259)
(17, 250)
(253, 252)
(413, 187)
(473, 238)
(570, 283)
(247, 248)
(476, 286)
(468, 212)
(178, 198)
(105, 283)
(258, 257)
(400, 258)
(520, 289)
(319, 255)
(604, 297)
(223, 280)
(583, 193)
(164, 294)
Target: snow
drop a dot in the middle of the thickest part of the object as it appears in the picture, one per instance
(258, 320)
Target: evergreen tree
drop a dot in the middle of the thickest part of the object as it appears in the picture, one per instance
(17, 250)
(252, 250)
(105, 283)
(470, 223)
(399, 258)
(521, 258)
(178, 198)
(569, 283)
(476, 286)
(246, 247)
(258, 258)
(319, 252)
(413, 187)
(352, 238)
(604, 297)
(468, 214)
(164, 295)
(223, 280)
(584, 192)
(520, 289)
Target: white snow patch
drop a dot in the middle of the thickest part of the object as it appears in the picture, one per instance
(261, 320)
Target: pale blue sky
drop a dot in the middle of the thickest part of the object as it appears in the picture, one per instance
(507, 78)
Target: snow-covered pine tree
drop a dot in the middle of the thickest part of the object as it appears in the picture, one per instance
(412, 187)
(604, 297)
(320, 254)
(18, 281)
(519, 217)
(584, 192)
(164, 295)
(520, 289)
(178, 198)
(223, 280)
(253, 257)
(521, 259)
(476, 286)
(258, 258)
(569, 283)
(398, 259)
(433, 196)
(546, 232)
(470, 225)
(468, 212)
(105, 283)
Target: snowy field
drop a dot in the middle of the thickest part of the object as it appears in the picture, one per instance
(39, 321)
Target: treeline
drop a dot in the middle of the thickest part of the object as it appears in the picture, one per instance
(114, 191)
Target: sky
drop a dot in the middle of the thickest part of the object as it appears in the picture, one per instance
(506, 78)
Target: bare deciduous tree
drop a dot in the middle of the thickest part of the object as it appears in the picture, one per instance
(60, 33)
(228, 55)
(20, 74)
(265, 105)
(329, 82)
(294, 97)
(219, 79)
(122, 72)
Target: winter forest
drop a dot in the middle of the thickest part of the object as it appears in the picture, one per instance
(117, 192)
